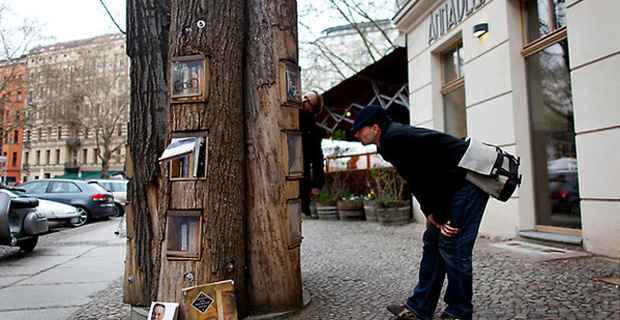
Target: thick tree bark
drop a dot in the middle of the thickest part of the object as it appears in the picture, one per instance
(222, 193)
(274, 269)
(147, 47)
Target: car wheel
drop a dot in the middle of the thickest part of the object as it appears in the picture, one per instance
(118, 210)
(82, 219)
(29, 244)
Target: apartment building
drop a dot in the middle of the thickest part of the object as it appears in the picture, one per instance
(12, 118)
(78, 101)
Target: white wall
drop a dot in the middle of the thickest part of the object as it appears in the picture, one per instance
(594, 44)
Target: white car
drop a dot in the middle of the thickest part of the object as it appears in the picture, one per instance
(56, 211)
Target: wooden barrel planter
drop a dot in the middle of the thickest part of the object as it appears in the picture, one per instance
(393, 214)
(369, 210)
(327, 210)
(351, 210)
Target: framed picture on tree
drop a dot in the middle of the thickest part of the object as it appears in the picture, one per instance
(293, 153)
(290, 84)
(190, 78)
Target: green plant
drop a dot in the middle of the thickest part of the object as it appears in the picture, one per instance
(387, 185)
(350, 197)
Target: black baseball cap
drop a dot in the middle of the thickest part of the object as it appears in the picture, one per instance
(369, 115)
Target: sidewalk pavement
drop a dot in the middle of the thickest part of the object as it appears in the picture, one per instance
(352, 270)
(66, 271)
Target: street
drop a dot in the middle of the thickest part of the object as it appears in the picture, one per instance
(350, 270)
(65, 274)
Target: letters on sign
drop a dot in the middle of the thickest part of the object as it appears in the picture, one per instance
(449, 16)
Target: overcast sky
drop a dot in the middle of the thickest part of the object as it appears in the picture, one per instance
(66, 20)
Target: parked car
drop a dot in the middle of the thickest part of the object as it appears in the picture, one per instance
(118, 188)
(90, 199)
(56, 211)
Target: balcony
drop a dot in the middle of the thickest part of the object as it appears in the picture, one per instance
(73, 143)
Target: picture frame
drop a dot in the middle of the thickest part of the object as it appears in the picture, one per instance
(293, 154)
(290, 84)
(184, 234)
(294, 218)
(190, 79)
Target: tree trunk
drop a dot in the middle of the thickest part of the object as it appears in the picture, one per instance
(274, 269)
(148, 22)
(222, 194)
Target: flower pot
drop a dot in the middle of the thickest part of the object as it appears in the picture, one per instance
(393, 213)
(351, 210)
(327, 210)
(369, 210)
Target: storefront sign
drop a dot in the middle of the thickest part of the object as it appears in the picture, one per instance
(449, 16)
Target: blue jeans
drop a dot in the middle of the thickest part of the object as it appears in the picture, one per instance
(452, 256)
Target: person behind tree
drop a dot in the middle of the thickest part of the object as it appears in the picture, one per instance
(311, 136)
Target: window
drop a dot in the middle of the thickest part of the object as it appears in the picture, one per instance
(64, 187)
(85, 156)
(49, 133)
(16, 136)
(26, 157)
(543, 17)
(38, 159)
(453, 90)
(187, 157)
(59, 132)
(57, 156)
(14, 161)
(35, 187)
(48, 154)
(551, 114)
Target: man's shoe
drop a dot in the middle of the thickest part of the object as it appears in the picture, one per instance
(402, 312)
(447, 317)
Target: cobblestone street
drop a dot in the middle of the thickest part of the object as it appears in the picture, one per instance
(353, 269)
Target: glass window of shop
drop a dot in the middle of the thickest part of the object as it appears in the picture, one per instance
(551, 115)
(453, 91)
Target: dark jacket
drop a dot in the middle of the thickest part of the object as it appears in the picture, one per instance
(314, 173)
(427, 160)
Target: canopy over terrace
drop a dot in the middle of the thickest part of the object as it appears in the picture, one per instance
(384, 83)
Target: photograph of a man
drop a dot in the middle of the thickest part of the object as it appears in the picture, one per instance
(163, 311)
(159, 310)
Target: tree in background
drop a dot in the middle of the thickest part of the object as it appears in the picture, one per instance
(338, 38)
(15, 40)
(85, 90)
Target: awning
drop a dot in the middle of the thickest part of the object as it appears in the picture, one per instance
(179, 148)
(383, 82)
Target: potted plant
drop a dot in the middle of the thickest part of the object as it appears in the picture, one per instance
(326, 202)
(350, 206)
(369, 206)
(390, 206)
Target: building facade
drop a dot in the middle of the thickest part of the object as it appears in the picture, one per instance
(78, 101)
(536, 77)
(12, 118)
